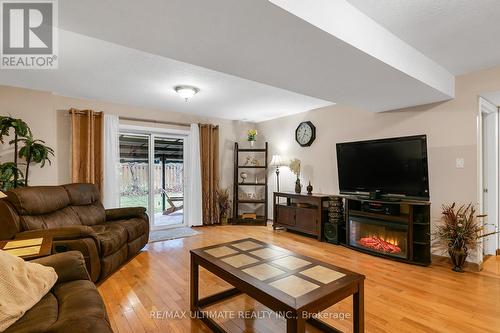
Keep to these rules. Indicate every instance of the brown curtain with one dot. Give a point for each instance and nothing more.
(86, 144)
(209, 151)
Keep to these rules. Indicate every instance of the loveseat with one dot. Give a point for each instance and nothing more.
(76, 219)
(72, 305)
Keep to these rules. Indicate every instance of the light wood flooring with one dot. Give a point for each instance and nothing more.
(398, 297)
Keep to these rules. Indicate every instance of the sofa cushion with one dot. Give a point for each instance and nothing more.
(22, 285)
(85, 201)
(57, 219)
(79, 299)
(38, 200)
(135, 227)
(39, 318)
(111, 236)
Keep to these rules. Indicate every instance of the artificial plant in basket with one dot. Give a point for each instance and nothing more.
(460, 231)
(224, 204)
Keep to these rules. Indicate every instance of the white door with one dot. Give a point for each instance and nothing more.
(490, 152)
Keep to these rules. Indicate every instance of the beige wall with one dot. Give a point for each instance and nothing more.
(450, 128)
(47, 115)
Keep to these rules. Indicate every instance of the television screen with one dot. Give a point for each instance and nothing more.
(396, 166)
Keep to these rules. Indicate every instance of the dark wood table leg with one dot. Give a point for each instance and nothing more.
(194, 297)
(296, 325)
(359, 309)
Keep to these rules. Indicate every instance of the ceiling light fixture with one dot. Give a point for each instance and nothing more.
(186, 92)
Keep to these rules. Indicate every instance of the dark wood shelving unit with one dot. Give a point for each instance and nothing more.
(261, 219)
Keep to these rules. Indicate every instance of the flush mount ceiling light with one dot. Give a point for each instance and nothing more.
(186, 92)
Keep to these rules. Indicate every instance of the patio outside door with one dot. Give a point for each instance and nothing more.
(152, 176)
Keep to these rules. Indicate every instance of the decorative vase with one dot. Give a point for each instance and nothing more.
(298, 186)
(458, 256)
(309, 188)
(243, 176)
(252, 143)
(223, 220)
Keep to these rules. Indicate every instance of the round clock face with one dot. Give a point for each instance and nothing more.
(305, 133)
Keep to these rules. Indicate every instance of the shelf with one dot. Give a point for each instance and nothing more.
(420, 223)
(252, 150)
(250, 201)
(251, 167)
(260, 220)
(421, 243)
(250, 184)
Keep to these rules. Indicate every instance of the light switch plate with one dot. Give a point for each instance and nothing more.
(460, 163)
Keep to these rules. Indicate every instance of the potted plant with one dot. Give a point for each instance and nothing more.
(252, 136)
(295, 168)
(25, 147)
(224, 205)
(460, 231)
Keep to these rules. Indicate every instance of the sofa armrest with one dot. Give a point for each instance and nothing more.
(69, 266)
(64, 233)
(125, 213)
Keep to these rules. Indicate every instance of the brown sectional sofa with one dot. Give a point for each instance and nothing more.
(76, 219)
(72, 305)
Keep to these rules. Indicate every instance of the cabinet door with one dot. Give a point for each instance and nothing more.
(306, 220)
(286, 215)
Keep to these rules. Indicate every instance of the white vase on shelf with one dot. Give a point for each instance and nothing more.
(252, 143)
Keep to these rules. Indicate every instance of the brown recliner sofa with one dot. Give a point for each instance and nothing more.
(72, 305)
(76, 219)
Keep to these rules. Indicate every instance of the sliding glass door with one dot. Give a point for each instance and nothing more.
(152, 176)
(168, 176)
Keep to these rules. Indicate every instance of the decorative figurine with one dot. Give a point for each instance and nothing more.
(309, 188)
(243, 176)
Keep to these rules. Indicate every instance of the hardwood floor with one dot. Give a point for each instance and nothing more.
(398, 297)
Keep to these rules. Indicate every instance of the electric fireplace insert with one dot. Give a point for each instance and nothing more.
(379, 236)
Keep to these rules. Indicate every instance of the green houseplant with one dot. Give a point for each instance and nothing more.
(26, 148)
(460, 231)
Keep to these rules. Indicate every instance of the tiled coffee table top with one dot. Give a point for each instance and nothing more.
(273, 268)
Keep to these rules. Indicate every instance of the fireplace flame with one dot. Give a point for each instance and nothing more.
(390, 245)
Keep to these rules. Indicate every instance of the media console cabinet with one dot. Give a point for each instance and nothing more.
(398, 230)
(304, 213)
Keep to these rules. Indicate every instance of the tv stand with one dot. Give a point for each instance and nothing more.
(399, 230)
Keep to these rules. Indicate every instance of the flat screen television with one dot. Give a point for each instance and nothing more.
(395, 167)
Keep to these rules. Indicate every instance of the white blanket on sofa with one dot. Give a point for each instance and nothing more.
(22, 285)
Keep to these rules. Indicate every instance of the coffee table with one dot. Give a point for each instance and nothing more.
(295, 286)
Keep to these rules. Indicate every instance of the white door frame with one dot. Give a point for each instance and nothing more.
(490, 244)
(152, 133)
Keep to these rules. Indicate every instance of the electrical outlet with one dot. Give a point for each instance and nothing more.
(460, 163)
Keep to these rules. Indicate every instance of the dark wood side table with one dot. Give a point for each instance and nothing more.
(21, 245)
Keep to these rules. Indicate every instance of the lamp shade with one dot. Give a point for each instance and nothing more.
(278, 161)
(2, 195)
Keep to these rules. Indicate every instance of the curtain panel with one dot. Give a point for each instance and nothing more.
(111, 173)
(192, 196)
(209, 154)
(86, 147)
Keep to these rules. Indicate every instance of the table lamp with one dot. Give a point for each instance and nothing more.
(277, 161)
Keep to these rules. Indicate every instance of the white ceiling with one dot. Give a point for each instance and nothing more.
(95, 69)
(492, 97)
(260, 59)
(461, 35)
(258, 41)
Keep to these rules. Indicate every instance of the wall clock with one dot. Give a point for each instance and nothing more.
(305, 134)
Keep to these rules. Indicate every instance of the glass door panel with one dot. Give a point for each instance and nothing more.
(168, 182)
(134, 170)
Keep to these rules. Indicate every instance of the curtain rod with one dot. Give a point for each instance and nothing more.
(156, 121)
(173, 123)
